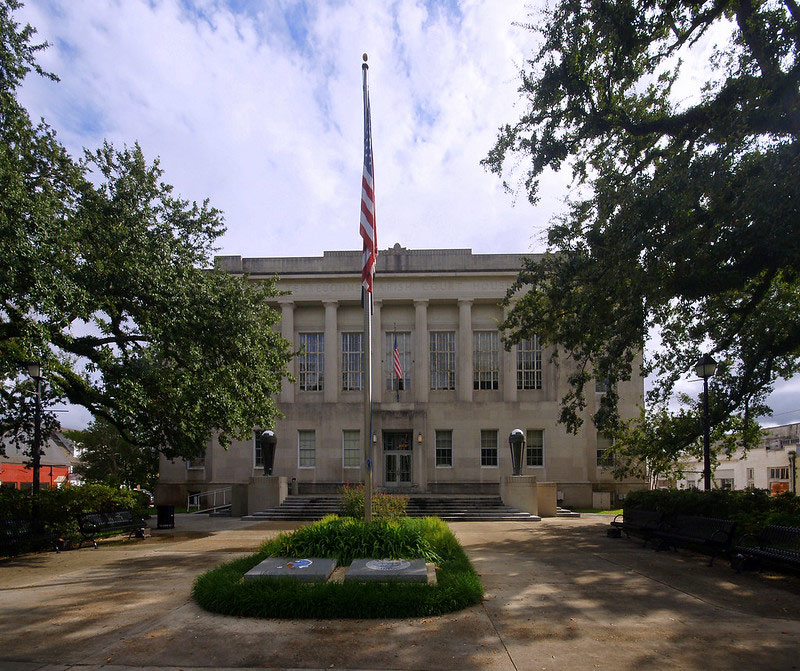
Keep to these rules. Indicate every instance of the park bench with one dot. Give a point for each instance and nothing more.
(92, 525)
(638, 522)
(704, 532)
(775, 544)
(21, 534)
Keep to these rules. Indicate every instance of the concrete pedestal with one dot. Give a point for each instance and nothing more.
(524, 493)
(266, 492)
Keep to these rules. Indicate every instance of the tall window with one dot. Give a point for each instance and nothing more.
(352, 362)
(404, 350)
(604, 443)
(312, 361)
(534, 452)
(306, 449)
(488, 447)
(444, 448)
(351, 449)
(443, 360)
(486, 359)
(529, 364)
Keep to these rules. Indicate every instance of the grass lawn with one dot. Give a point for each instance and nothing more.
(223, 589)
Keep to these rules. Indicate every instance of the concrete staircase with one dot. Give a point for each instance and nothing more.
(449, 508)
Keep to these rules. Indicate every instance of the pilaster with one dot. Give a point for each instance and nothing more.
(421, 351)
(464, 354)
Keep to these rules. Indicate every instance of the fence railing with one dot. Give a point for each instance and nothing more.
(203, 501)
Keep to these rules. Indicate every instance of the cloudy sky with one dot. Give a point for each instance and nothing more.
(257, 105)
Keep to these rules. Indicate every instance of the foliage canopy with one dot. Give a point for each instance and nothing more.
(104, 280)
(684, 218)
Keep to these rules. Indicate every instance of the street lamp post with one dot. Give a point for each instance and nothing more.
(705, 368)
(35, 371)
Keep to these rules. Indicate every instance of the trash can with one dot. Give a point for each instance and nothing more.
(166, 516)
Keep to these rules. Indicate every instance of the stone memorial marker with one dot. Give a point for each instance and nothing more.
(306, 570)
(383, 570)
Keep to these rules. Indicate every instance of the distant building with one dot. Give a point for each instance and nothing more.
(57, 462)
(442, 427)
(770, 465)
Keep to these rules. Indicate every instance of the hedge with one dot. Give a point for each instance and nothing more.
(58, 508)
(751, 509)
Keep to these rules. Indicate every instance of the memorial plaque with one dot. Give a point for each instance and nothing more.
(384, 570)
(307, 570)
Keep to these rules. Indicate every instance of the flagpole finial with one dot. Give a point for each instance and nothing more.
(365, 57)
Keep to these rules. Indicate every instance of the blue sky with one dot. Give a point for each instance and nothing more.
(257, 106)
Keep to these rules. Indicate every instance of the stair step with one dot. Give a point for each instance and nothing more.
(452, 509)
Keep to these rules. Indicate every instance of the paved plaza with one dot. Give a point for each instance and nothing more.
(560, 594)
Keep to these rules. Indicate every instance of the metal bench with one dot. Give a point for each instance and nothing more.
(22, 534)
(643, 523)
(92, 525)
(705, 532)
(775, 543)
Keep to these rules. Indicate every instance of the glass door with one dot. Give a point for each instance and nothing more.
(397, 458)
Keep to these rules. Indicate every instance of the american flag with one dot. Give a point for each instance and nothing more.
(367, 228)
(398, 368)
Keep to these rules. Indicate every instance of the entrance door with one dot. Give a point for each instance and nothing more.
(397, 458)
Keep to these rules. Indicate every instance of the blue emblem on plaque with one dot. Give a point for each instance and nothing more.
(299, 563)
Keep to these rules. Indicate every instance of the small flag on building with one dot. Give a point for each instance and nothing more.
(398, 368)
(367, 227)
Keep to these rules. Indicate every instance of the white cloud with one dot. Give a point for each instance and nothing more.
(264, 116)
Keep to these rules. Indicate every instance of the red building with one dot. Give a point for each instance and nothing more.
(56, 461)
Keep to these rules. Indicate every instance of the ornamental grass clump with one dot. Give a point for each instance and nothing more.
(223, 589)
(346, 539)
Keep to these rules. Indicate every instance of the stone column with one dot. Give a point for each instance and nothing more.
(421, 352)
(508, 366)
(464, 382)
(377, 353)
(287, 331)
(331, 393)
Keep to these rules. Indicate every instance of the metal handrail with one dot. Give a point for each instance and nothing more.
(215, 498)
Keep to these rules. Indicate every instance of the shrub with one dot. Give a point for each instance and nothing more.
(384, 506)
(751, 509)
(58, 508)
(222, 589)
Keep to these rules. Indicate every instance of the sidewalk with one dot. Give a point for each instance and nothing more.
(559, 595)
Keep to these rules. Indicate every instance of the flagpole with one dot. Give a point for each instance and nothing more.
(366, 298)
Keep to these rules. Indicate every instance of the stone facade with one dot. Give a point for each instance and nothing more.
(446, 430)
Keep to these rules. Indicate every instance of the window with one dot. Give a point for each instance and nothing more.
(781, 473)
(444, 448)
(404, 350)
(488, 447)
(604, 443)
(485, 360)
(602, 386)
(751, 475)
(197, 463)
(258, 452)
(312, 361)
(529, 364)
(443, 360)
(725, 483)
(351, 449)
(534, 452)
(352, 362)
(306, 449)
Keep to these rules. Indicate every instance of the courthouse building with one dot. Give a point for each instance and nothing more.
(443, 427)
